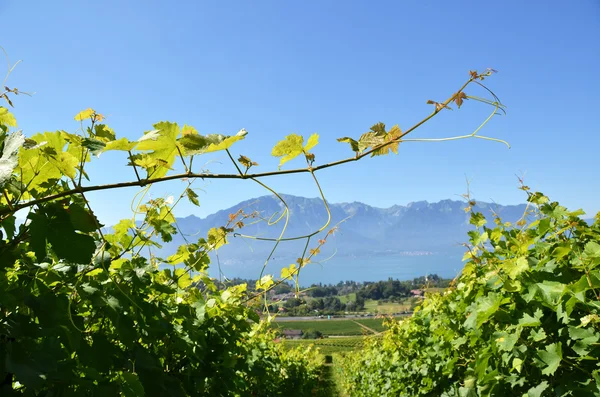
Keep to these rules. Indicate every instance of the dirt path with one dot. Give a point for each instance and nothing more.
(371, 330)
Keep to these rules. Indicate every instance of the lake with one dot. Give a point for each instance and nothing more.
(367, 268)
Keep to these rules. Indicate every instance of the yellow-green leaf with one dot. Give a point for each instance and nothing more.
(390, 136)
(120, 144)
(85, 114)
(288, 272)
(188, 130)
(288, 148)
(183, 278)
(312, 142)
(264, 283)
(163, 144)
(353, 143)
(217, 237)
(225, 142)
(7, 118)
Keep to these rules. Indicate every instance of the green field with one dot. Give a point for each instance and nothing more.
(327, 327)
(372, 306)
(330, 345)
(375, 324)
(348, 298)
(333, 327)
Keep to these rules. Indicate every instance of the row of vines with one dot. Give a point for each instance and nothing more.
(523, 318)
(84, 313)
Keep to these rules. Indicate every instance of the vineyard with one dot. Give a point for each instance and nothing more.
(87, 310)
(333, 327)
(331, 345)
(522, 319)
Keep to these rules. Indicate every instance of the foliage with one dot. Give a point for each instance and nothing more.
(376, 324)
(332, 345)
(326, 327)
(522, 318)
(83, 312)
(311, 333)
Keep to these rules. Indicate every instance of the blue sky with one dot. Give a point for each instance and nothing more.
(330, 67)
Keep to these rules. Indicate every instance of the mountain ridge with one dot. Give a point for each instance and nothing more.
(372, 243)
(364, 229)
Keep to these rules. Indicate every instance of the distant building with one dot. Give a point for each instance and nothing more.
(292, 333)
(417, 292)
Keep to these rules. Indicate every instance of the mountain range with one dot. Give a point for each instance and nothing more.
(365, 236)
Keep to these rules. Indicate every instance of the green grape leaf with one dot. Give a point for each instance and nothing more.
(217, 237)
(264, 283)
(514, 267)
(313, 140)
(288, 272)
(369, 139)
(192, 196)
(38, 229)
(393, 134)
(164, 228)
(131, 385)
(7, 118)
(551, 356)
(550, 291)
(194, 144)
(221, 142)
(182, 255)
(8, 224)
(353, 143)
(95, 146)
(531, 321)
(52, 224)
(561, 251)
(66, 164)
(477, 219)
(506, 341)
(585, 339)
(52, 152)
(246, 162)
(537, 390)
(183, 278)
(85, 114)
(82, 219)
(288, 148)
(104, 133)
(163, 143)
(188, 130)
(120, 144)
(592, 250)
(485, 308)
(538, 335)
(379, 128)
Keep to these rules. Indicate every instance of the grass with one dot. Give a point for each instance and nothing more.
(375, 324)
(348, 298)
(386, 308)
(330, 381)
(327, 327)
(330, 345)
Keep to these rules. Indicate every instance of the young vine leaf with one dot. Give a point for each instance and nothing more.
(292, 146)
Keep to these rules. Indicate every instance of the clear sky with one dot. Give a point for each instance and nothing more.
(332, 67)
